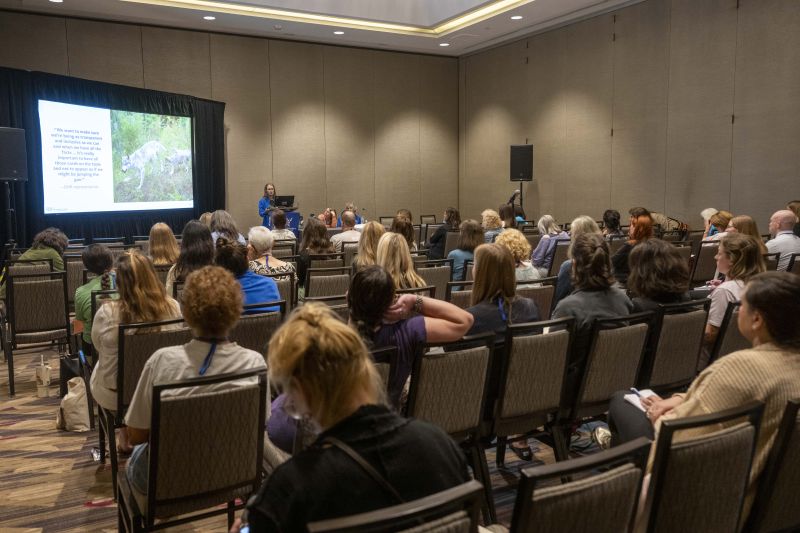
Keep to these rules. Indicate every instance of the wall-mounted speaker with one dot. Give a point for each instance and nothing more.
(521, 162)
(13, 156)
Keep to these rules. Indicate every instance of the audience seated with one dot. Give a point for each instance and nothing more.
(794, 207)
(98, 260)
(163, 246)
(350, 206)
(348, 233)
(404, 227)
(142, 298)
(368, 245)
(784, 241)
(436, 242)
(507, 218)
(659, 275)
(640, 229)
(745, 225)
(212, 304)
(492, 225)
(407, 322)
(611, 224)
(49, 243)
(769, 318)
(393, 255)
(327, 375)
(205, 219)
(279, 231)
(259, 247)
(315, 241)
(223, 225)
(706, 214)
(406, 214)
(470, 237)
(717, 223)
(328, 217)
(580, 226)
(197, 251)
(256, 289)
(738, 259)
(520, 249)
(542, 256)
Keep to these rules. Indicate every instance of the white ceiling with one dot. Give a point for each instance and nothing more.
(405, 25)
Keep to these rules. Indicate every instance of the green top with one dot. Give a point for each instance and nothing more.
(32, 254)
(83, 305)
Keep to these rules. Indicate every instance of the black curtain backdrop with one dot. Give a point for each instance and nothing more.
(20, 92)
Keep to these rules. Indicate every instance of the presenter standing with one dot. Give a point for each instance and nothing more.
(267, 203)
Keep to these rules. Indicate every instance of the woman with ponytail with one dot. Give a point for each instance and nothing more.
(98, 260)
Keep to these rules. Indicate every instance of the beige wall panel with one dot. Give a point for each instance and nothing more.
(701, 73)
(240, 78)
(546, 119)
(298, 123)
(349, 134)
(495, 86)
(121, 60)
(438, 134)
(32, 42)
(397, 134)
(176, 61)
(638, 146)
(588, 87)
(766, 135)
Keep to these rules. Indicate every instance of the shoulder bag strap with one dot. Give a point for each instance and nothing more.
(354, 455)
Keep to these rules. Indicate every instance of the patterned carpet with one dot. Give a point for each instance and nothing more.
(50, 482)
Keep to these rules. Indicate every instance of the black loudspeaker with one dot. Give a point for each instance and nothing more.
(13, 157)
(521, 162)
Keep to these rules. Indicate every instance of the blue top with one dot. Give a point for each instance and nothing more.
(263, 211)
(564, 282)
(542, 256)
(257, 289)
(359, 220)
(459, 258)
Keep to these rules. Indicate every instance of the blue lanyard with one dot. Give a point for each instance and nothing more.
(210, 355)
(502, 311)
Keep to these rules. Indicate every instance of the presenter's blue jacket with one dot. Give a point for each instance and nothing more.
(263, 205)
(258, 289)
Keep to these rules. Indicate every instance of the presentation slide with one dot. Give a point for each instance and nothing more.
(99, 160)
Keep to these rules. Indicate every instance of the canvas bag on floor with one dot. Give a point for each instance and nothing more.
(73, 415)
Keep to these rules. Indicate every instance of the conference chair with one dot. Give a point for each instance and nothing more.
(73, 265)
(386, 221)
(77, 242)
(162, 271)
(418, 237)
(284, 247)
(326, 260)
(427, 219)
(327, 281)
(28, 266)
(699, 483)
(695, 237)
(469, 270)
(385, 360)
(254, 330)
(559, 255)
(705, 265)
(349, 249)
(337, 304)
(177, 290)
(37, 312)
(533, 238)
(143, 241)
(541, 292)
(616, 242)
(448, 389)
(436, 272)
(794, 264)
(459, 293)
(287, 288)
(452, 510)
(427, 232)
(451, 241)
(775, 506)
(428, 290)
(771, 261)
(223, 464)
(597, 493)
(109, 240)
(675, 345)
(333, 231)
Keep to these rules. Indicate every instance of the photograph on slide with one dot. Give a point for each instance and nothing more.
(152, 157)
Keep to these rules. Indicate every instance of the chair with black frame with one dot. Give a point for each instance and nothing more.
(253, 331)
(559, 254)
(232, 422)
(427, 219)
(459, 293)
(775, 506)
(15, 253)
(427, 232)
(37, 314)
(469, 270)
(119, 249)
(673, 351)
(530, 381)
(541, 291)
(385, 360)
(454, 509)
(418, 236)
(108, 240)
(337, 303)
(349, 249)
(137, 342)
(673, 235)
(533, 237)
(428, 290)
(331, 260)
(436, 272)
(705, 265)
(699, 484)
(602, 496)
(771, 261)
(177, 289)
(449, 390)
(794, 264)
(284, 247)
(327, 281)
(162, 271)
(615, 357)
(386, 221)
(143, 241)
(73, 264)
(451, 241)
(87, 356)
(287, 288)
(685, 250)
(28, 266)
(616, 242)
(729, 338)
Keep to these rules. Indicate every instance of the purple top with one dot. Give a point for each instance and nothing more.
(542, 256)
(409, 336)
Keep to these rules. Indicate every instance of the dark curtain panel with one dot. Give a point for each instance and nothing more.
(20, 92)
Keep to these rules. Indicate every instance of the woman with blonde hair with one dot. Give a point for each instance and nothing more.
(579, 226)
(259, 248)
(368, 245)
(327, 376)
(163, 245)
(394, 256)
(492, 225)
(520, 250)
(142, 298)
(745, 225)
(716, 225)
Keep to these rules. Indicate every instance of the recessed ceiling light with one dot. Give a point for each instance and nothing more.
(338, 33)
(516, 17)
(56, 1)
(444, 44)
(209, 17)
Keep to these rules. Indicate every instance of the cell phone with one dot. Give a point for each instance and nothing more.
(245, 528)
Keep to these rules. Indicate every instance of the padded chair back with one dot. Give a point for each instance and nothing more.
(775, 507)
(231, 410)
(349, 249)
(253, 331)
(417, 230)
(144, 244)
(469, 270)
(428, 290)
(109, 241)
(459, 293)
(337, 304)
(385, 360)
(331, 262)
(177, 290)
(453, 510)
(287, 288)
(794, 264)
(386, 221)
(601, 499)
(450, 241)
(24, 267)
(437, 274)
(137, 342)
(542, 296)
(699, 484)
(533, 239)
(73, 264)
(447, 389)
(427, 219)
(559, 256)
(284, 247)
(771, 261)
(704, 264)
(675, 347)
(162, 271)
(37, 308)
(616, 243)
(327, 281)
(428, 231)
(729, 339)
(685, 253)
(333, 231)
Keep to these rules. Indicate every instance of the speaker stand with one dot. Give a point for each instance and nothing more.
(10, 221)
